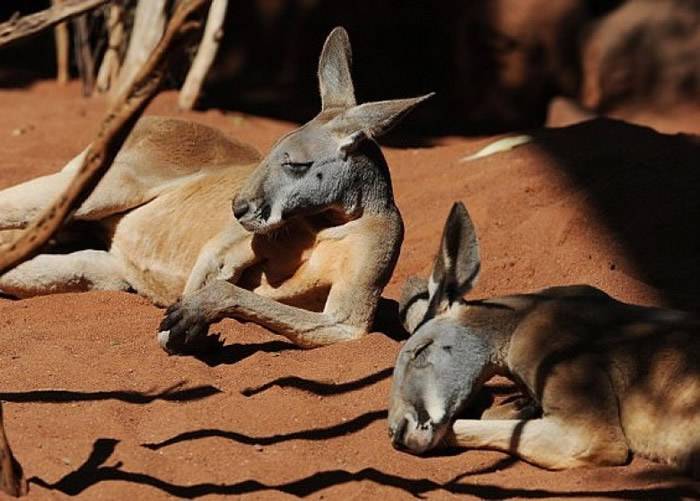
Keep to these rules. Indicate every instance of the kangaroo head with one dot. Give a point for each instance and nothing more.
(331, 162)
(443, 363)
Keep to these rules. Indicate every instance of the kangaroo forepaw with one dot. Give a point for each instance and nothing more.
(183, 329)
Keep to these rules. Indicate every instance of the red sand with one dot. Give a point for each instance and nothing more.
(86, 388)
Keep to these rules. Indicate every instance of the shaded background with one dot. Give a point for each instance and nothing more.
(495, 64)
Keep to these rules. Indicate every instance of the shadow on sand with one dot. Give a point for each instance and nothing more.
(93, 472)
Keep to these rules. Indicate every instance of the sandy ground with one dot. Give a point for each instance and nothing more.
(94, 407)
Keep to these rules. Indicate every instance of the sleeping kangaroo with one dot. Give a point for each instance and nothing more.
(314, 241)
(606, 377)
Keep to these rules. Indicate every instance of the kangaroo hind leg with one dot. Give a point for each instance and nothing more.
(20, 204)
(54, 273)
(546, 442)
(580, 424)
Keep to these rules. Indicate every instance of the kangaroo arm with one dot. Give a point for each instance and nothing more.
(223, 258)
(307, 329)
(190, 317)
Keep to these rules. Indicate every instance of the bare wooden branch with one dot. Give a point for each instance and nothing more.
(12, 479)
(83, 54)
(208, 47)
(16, 29)
(62, 48)
(109, 69)
(149, 21)
(115, 128)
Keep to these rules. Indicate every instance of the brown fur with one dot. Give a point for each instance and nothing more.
(610, 378)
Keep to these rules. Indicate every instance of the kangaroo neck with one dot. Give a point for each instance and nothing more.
(371, 184)
(495, 322)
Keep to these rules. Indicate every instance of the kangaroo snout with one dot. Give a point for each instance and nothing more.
(240, 207)
(255, 214)
(397, 432)
(408, 435)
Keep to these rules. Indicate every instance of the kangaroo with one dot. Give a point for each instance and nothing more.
(312, 241)
(606, 378)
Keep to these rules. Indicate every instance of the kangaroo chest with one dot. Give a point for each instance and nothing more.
(297, 266)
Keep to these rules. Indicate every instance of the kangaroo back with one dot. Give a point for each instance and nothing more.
(657, 377)
(115, 128)
(161, 153)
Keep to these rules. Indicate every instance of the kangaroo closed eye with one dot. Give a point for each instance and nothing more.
(298, 165)
(420, 349)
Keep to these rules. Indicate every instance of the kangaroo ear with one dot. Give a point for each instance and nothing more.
(334, 77)
(457, 264)
(376, 118)
(371, 120)
(413, 303)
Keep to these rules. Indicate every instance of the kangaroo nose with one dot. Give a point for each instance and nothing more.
(240, 208)
(397, 433)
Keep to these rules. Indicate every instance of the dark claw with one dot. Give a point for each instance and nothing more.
(175, 317)
(178, 331)
(172, 316)
(186, 328)
(163, 326)
(173, 307)
(196, 332)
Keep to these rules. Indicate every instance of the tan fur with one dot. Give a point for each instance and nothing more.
(610, 378)
(314, 255)
(140, 206)
(180, 234)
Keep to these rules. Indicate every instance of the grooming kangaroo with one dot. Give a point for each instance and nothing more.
(314, 241)
(606, 377)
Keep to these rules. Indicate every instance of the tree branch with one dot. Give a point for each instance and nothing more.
(109, 69)
(213, 33)
(116, 126)
(16, 29)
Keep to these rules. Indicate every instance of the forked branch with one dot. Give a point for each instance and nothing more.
(213, 33)
(16, 29)
(116, 126)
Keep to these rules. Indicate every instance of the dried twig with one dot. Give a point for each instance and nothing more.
(16, 29)
(62, 47)
(12, 479)
(83, 54)
(149, 22)
(213, 32)
(109, 69)
(116, 127)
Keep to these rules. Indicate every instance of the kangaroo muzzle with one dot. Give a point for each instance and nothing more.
(240, 207)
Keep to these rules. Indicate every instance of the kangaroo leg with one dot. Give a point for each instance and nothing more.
(580, 426)
(546, 442)
(22, 203)
(55, 273)
(12, 480)
(190, 317)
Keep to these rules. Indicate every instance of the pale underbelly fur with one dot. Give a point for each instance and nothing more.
(158, 243)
